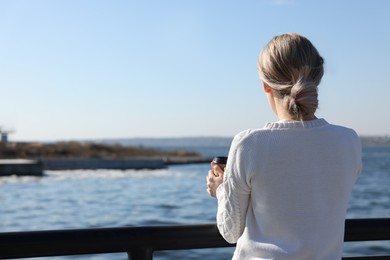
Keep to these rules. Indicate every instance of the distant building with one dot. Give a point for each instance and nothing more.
(4, 138)
(4, 135)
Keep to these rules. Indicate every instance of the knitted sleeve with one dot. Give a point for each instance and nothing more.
(233, 194)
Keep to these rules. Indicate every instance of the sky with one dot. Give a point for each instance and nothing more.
(92, 69)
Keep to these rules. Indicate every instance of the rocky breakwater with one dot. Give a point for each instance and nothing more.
(78, 155)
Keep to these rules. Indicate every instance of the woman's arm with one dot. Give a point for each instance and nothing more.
(232, 209)
(232, 190)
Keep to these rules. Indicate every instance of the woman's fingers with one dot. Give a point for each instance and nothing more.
(213, 182)
(217, 169)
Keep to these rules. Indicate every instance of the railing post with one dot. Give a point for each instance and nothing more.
(140, 254)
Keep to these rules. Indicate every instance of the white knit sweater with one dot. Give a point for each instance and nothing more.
(286, 190)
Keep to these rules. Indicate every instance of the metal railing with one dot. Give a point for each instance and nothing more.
(141, 242)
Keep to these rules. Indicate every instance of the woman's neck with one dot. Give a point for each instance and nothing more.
(284, 115)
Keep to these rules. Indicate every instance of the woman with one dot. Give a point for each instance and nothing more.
(285, 189)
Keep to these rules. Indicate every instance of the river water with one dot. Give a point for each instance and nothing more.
(176, 195)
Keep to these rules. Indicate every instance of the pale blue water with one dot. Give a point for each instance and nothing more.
(176, 195)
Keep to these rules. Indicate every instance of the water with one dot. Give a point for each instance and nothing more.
(176, 195)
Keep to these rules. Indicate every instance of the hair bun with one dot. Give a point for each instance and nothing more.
(303, 99)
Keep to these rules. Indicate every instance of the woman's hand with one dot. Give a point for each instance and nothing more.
(214, 179)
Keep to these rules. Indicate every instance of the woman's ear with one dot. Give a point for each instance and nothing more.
(267, 88)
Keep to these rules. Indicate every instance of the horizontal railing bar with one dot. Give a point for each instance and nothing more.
(153, 238)
(367, 229)
(374, 257)
(108, 240)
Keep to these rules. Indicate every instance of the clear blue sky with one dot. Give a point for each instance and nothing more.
(77, 69)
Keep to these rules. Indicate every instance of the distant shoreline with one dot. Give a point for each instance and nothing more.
(72, 150)
(375, 140)
(178, 148)
(158, 142)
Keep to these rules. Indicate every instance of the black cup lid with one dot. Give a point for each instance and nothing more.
(220, 159)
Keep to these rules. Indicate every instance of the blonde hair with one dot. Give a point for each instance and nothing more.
(293, 68)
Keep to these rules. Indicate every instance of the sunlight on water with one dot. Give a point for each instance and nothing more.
(114, 174)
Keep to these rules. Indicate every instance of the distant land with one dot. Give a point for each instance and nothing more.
(375, 140)
(211, 141)
(85, 150)
(185, 147)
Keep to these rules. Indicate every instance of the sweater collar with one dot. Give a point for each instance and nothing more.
(296, 124)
